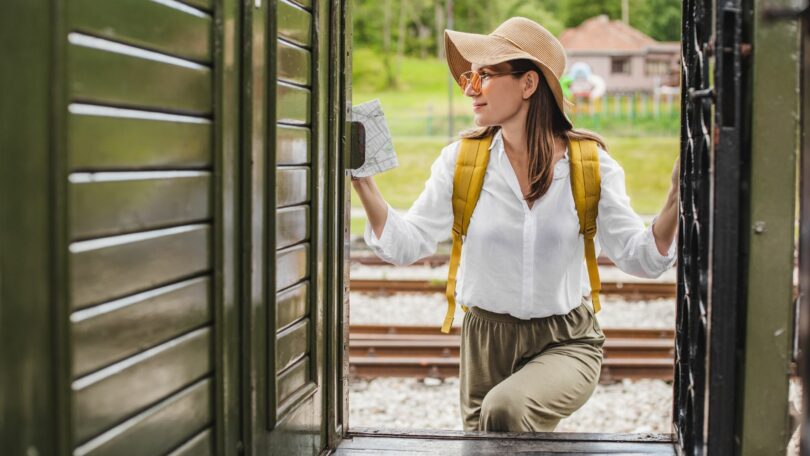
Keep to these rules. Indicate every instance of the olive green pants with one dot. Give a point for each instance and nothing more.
(526, 375)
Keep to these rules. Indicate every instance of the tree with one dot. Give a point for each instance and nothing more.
(661, 19)
(535, 11)
(396, 28)
(575, 12)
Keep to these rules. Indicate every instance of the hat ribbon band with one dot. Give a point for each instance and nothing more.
(509, 41)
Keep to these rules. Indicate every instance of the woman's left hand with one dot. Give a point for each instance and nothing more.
(676, 174)
(666, 224)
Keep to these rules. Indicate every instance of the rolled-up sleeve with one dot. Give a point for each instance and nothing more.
(621, 232)
(415, 235)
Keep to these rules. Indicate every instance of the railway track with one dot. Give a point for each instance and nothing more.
(418, 351)
(631, 290)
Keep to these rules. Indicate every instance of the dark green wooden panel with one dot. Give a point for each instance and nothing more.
(176, 29)
(207, 5)
(231, 406)
(293, 63)
(294, 23)
(292, 104)
(106, 397)
(111, 138)
(109, 268)
(101, 71)
(292, 145)
(30, 311)
(292, 186)
(292, 305)
(201, 444)
(160, 428)
(292, 225)
(292, 265)
(292, 380)
(292, 344)
(112, 203)
(113, 331)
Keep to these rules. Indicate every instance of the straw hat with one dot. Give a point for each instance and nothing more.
(516, 38)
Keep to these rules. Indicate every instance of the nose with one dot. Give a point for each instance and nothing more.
(468, 91)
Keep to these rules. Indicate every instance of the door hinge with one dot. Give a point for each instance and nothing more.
(695, 95)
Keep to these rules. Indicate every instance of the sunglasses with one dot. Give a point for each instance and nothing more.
(476, 80)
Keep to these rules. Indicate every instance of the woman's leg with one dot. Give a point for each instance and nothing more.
(548, 388)
(488, 356)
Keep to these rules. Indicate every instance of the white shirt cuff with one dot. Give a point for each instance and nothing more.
(659, 262)
(382, 246)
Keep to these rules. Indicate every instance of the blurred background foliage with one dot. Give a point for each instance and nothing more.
(386, 31)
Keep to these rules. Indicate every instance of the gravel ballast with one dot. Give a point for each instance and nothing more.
(429, 309)
(406, 403)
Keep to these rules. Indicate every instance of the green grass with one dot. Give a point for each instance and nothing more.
(647, 164)
(416, 75)
(400, 186)
(668, 124)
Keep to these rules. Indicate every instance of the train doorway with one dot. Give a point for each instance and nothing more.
(721, 334)
(174, 218)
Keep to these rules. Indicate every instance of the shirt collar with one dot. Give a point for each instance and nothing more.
(497, 143)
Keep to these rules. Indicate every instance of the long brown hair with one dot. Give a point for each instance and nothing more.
(544, 123)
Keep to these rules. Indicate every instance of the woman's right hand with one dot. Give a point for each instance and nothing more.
(373, 202)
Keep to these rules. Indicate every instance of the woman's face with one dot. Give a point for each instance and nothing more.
(501, 98)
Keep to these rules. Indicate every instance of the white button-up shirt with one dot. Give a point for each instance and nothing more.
(526, 262)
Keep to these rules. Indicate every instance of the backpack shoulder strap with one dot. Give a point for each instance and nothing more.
(471, 166)
(586, 187)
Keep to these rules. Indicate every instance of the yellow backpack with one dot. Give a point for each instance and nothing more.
(471, 166)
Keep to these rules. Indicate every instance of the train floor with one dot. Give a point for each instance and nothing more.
(414, 443)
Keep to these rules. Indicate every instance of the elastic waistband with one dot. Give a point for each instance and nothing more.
(494, 316)
(506, 318)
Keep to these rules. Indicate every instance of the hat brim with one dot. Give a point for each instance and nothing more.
(462, 49)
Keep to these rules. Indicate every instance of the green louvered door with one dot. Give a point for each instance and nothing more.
(286, 123)
(143, 210)
(171, 227)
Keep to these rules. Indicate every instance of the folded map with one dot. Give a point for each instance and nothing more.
(380, 155)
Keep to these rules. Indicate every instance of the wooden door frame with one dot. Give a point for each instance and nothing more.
(337, 282)
(759, 326)
(30, 419)
(229, 391)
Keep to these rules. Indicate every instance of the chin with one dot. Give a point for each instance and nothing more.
(482, 122)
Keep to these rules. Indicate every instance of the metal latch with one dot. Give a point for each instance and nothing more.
(357, 145)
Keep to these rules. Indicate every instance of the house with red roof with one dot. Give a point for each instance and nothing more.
(627, 59)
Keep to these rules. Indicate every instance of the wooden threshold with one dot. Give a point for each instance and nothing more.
(366, 442)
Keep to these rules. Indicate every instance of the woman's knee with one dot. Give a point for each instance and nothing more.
(501, 406)
(509, 411)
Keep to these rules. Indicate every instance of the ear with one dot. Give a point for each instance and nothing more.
(531, 80)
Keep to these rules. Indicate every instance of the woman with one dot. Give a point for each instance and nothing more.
(531, 348)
